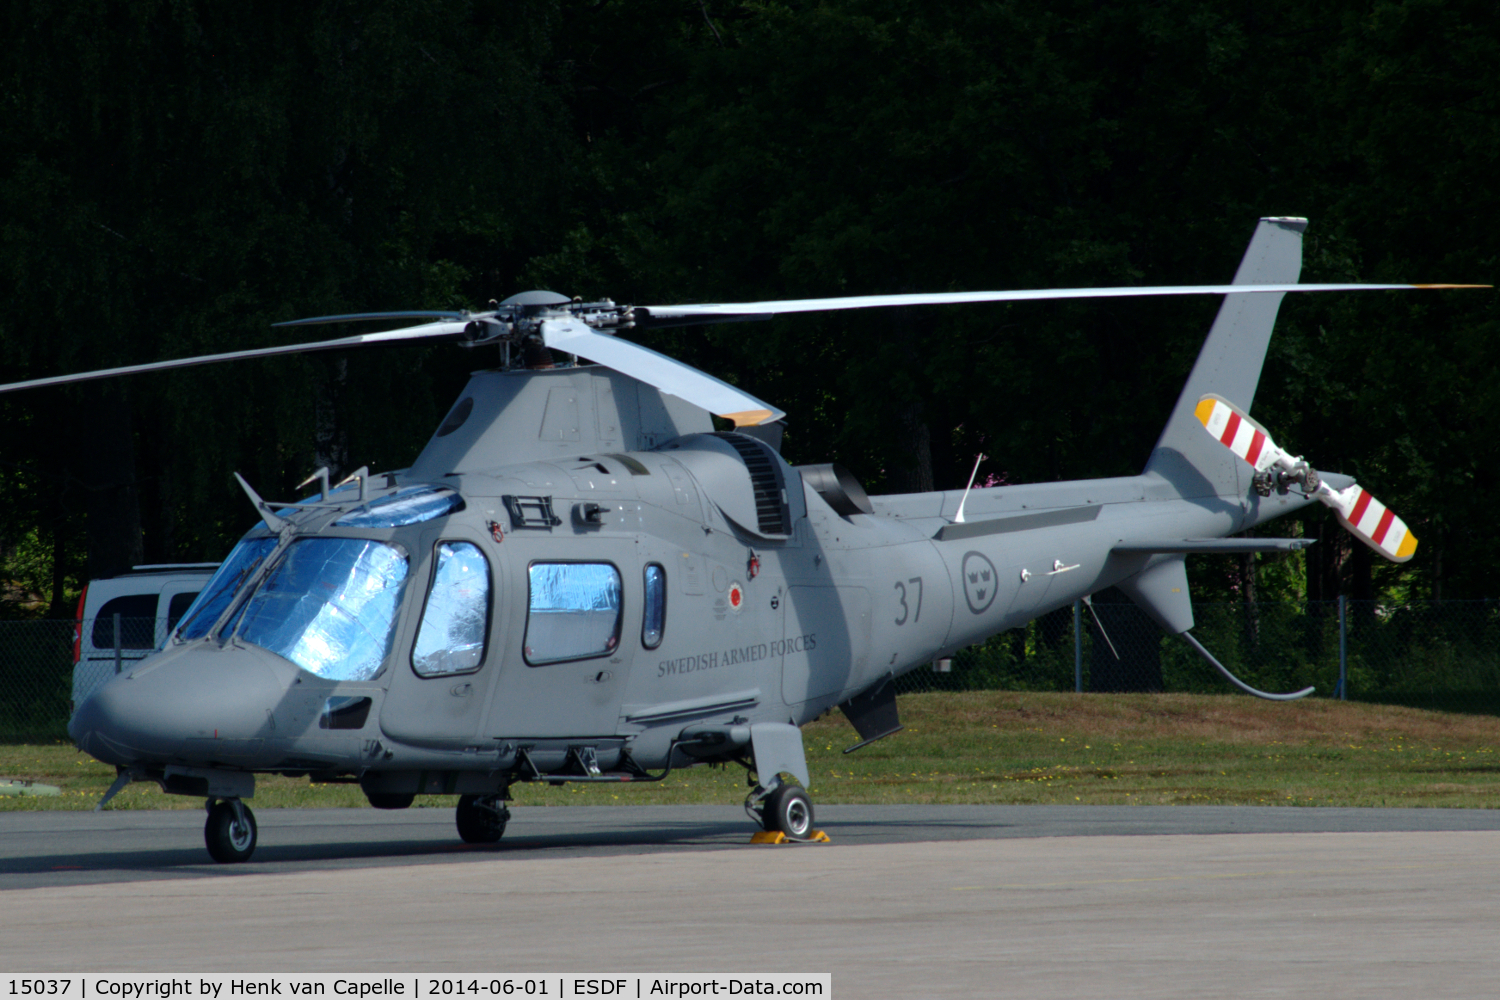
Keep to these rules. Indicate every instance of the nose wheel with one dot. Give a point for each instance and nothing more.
(230, 831)
(481, 818)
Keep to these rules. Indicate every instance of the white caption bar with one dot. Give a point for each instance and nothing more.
(411, 986)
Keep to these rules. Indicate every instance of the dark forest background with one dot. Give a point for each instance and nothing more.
(176, 176)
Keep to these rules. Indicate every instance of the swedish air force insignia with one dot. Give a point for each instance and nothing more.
(980, 581)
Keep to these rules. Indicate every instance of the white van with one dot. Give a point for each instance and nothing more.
(125, 618)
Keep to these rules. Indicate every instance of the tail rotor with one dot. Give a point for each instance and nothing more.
(1369, 520)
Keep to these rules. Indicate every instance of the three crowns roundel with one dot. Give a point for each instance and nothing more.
(980, 581)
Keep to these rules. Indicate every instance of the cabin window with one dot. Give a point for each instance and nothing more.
(654, 617)
(574, 612)
(236, 568)
(329, 606)
(451, 638)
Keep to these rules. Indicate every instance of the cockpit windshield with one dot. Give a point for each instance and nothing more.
(329, 606)
(215, 597)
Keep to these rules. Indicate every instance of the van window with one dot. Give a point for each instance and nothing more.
(137, 622)
(574, 612)
(178, 604)
(450, 639)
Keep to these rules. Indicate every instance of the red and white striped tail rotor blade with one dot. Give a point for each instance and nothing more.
(1235, 430)
(1371, 521)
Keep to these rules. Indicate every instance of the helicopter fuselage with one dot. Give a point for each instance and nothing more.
(579, 579)
(623, 600)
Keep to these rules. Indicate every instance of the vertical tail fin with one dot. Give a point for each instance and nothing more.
(1229, 364)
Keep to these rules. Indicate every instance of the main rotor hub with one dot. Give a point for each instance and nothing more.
(520, 317)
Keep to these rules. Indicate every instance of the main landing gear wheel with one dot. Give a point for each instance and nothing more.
(788, 810)
(481, 818)
(230, 831)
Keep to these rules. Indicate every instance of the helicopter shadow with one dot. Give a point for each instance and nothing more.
(128, 855)
(189, 861)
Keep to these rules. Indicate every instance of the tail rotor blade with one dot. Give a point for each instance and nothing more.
(1237, 431)
(1366, 518)
(1371, 521)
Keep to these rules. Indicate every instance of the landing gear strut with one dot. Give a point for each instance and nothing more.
(230, 831)
(481, 818)
(783, 809)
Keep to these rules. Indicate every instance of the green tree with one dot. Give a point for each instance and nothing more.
(762, 150)
(175, 177)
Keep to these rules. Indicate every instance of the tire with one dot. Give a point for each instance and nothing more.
(481, 819)
(229, 841)
(391, 800)
(788, 810)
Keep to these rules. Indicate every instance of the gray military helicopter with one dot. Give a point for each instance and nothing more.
(580, 580)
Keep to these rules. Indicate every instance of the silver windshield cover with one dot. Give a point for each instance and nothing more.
(329, 606)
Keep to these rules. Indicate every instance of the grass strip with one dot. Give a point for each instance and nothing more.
(998, 747)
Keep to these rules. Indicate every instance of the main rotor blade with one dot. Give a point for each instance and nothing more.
(667, 374)
(423, 332)
(362, 317)
(737, 311)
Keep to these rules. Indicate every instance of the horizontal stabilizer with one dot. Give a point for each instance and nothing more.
(1213, 546)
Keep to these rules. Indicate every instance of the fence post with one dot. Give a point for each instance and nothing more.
(1078, 647)
(1343, 648)
(117, 642)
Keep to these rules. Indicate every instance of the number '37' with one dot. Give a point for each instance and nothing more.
(915, 614)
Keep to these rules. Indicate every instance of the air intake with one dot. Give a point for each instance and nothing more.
(766, 478)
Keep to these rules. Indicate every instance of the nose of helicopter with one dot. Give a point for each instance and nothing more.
(152, 713)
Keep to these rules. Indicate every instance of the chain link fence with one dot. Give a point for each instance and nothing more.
(1440, 655)
(36, 679)
(37, 668)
